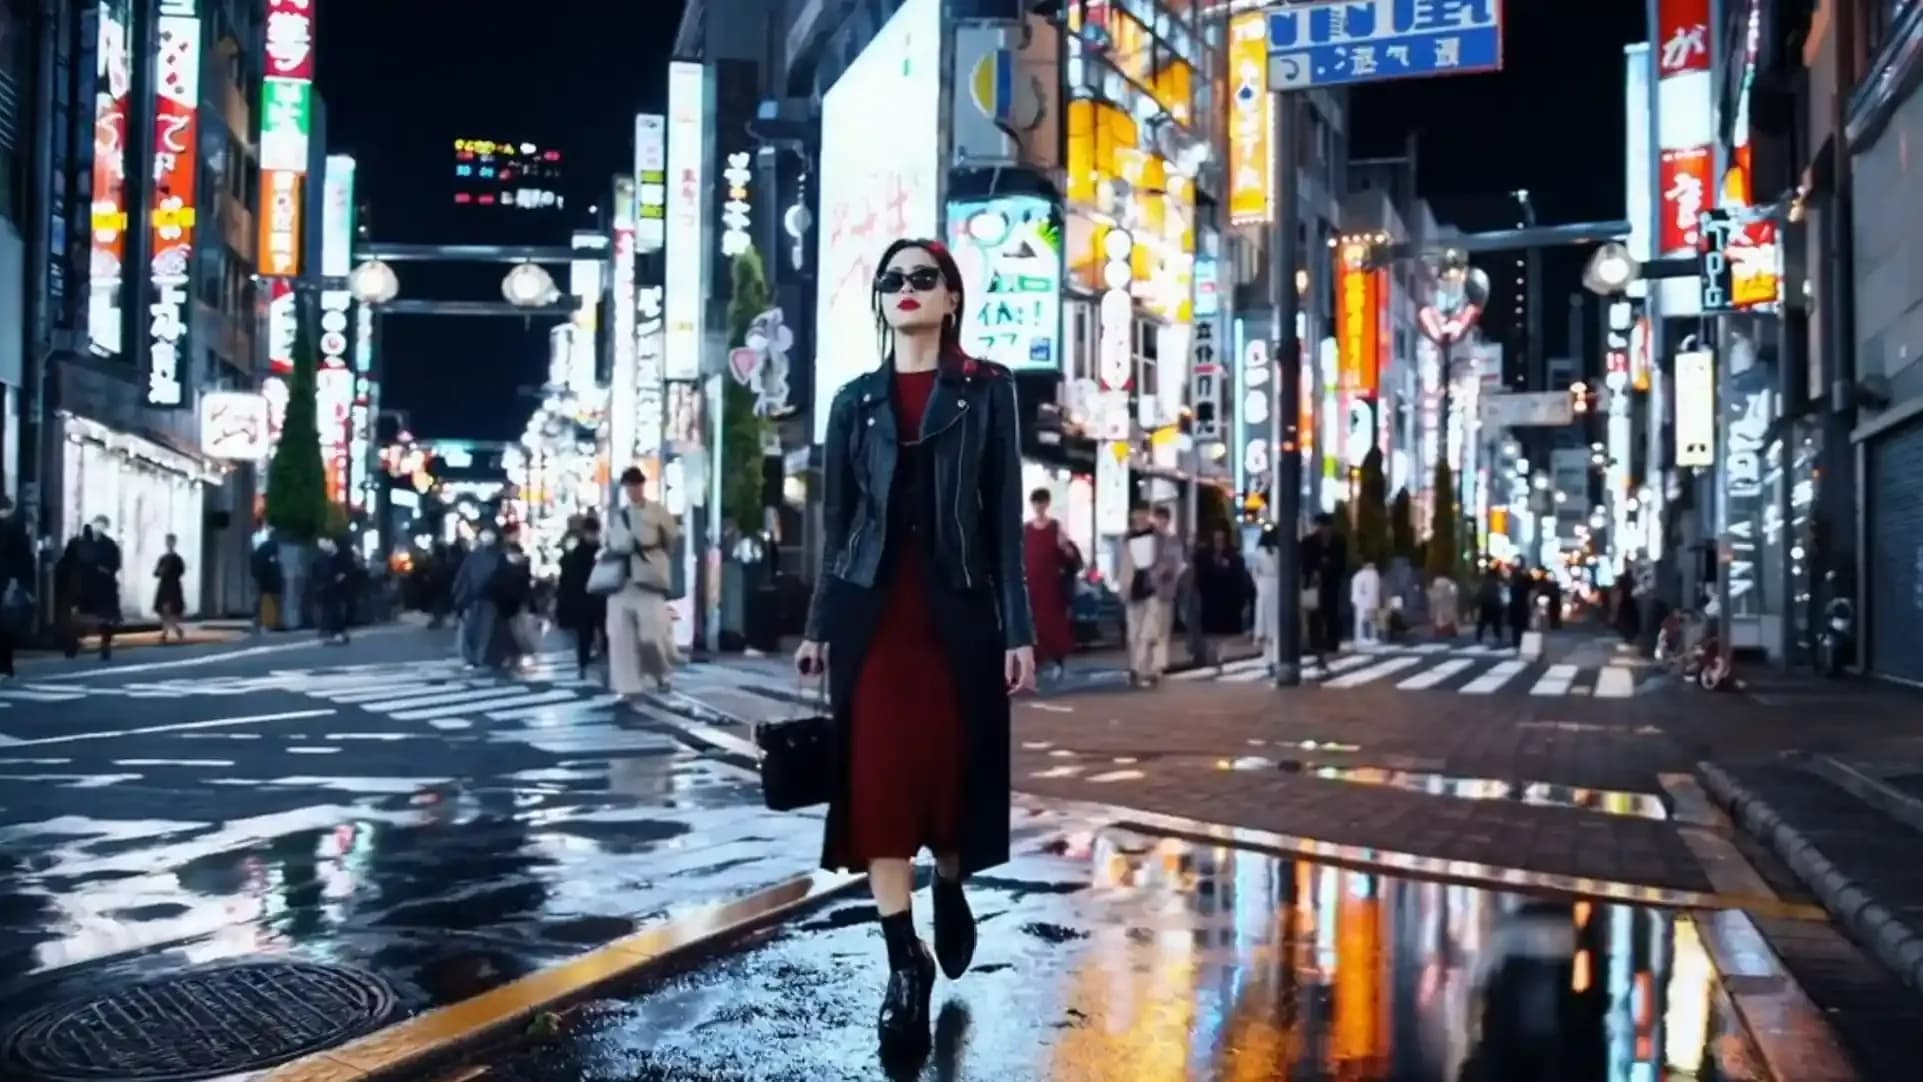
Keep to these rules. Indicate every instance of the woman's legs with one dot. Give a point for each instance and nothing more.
(903, 1024)
(892, 881)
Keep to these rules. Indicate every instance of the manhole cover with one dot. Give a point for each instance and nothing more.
(198, 1023)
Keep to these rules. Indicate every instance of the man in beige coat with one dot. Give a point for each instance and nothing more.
(640, 624)
(1151, 568)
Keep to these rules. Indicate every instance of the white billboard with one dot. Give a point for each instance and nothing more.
(337, 217)
(687, 199)
(1695, 409)
(873, 190)
(235, 426)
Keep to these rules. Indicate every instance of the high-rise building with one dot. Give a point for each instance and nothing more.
(136, 286)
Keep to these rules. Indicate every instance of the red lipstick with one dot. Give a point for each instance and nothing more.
(908, 304)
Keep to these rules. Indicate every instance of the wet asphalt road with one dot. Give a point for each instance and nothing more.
(1116, 957)
(372, 805)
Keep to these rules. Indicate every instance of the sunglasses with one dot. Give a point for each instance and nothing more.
(922, 278)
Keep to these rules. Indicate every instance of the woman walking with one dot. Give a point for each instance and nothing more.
(921, 622)
(577, 611)
(1053, 562)
(170, 601)
(1268, 580)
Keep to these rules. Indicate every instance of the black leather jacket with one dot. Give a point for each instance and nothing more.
(971, 427)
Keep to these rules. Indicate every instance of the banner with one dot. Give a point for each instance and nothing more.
(172, 214)
(1251, 122)
(1358, 322)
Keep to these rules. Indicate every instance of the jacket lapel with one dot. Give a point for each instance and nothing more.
(948, 404)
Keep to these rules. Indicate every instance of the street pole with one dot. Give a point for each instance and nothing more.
(1288, 359)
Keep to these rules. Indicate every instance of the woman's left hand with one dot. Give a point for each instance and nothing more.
(1018, 666)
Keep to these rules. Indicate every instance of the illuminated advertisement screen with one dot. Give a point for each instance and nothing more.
(109, 211)
(176, 154)
(873, 190)
(523, 176)
(1010, 252)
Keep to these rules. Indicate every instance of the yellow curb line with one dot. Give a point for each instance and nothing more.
(447, 1031)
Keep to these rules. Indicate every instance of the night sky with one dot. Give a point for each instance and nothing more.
(403, 80)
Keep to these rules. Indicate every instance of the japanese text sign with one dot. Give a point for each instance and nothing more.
(290, 39)
(1685, 180)
(1251, 122)
(1682, 32)
(1337, 42)
(172, 214)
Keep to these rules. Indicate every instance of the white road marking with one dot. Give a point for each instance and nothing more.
(177, 727)
(1492, 680)
(1374, 672)
(1615, 682)
(1431, 677)
(1556, 681)
(526, 698)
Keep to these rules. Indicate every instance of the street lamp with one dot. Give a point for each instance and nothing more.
(373, 282)
(528, 286)
(1610, 270)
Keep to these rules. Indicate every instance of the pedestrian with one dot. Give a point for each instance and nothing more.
(1489, 606)
(170, 600)
(512, 590)
(16, 584)
(1053, 561)
(576, 610)
(1365, 600)
(1552, 590)
(640, 626)
(921, 621)
(1268, 583)
(1150, 572)
(1325, 567)
(93, 565)
(1222, 585)
(1522, 603)
(481, 635)
(269, 584)
(329, 580)
(1445, 607)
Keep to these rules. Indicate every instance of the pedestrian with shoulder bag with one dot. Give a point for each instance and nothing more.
(641, 536)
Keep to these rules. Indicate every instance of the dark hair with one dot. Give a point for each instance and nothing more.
(1041, 495)
(952, 354)
(590, 523)
(1271, 538)
(633, 476)
(1161, 511)
(1323, 518)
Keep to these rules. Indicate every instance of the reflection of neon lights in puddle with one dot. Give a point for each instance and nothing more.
(1611, 802)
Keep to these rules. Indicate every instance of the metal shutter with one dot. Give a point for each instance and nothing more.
(1895, 558)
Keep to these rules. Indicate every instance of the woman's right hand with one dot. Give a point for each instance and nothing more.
(811, 659)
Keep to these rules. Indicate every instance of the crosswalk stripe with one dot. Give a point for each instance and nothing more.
(1498, 675)
(532, 712)
(1246, 676)
(25, 695)
(375, 693)
(514, 697)
(1374, 672)
(1615, 682)
(1555, 681)
(1431, 677)
(441, 697)
(1340, 664)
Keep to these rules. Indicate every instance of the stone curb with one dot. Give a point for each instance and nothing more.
(1887, 937)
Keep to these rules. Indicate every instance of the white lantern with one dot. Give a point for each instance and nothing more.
(528, 286)
(373, 282)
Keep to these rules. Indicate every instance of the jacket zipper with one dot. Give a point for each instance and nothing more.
(848, 555)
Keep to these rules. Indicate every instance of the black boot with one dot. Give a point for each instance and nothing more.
(954, 927)
(903, 1023)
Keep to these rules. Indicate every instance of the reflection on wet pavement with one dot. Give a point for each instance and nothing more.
(1109, 955)
(446, 888)
(1639, 805)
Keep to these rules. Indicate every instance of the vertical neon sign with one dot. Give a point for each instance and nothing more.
(109, 212)
(176, 146)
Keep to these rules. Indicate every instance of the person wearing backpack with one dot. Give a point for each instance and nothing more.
(640, 624)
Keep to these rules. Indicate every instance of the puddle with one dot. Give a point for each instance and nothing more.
(1115, 955)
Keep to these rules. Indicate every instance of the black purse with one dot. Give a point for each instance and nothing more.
(797, 758)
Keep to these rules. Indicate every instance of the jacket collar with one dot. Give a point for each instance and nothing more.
(951, 400)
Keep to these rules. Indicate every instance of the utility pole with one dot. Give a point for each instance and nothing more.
(1287, 356)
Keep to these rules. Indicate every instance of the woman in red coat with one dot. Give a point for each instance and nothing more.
(1053, 562)
(921, 621)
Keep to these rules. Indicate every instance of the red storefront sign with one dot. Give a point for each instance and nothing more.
(1682, 35)
(1686, 179)
(290, 39)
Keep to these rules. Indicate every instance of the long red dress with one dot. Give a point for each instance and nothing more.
(907, 742)
(1047, 590)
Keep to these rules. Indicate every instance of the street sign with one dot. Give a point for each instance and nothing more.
(1324, 43)
(1542, 409)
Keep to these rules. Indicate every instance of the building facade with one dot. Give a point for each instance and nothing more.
(141, 121)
